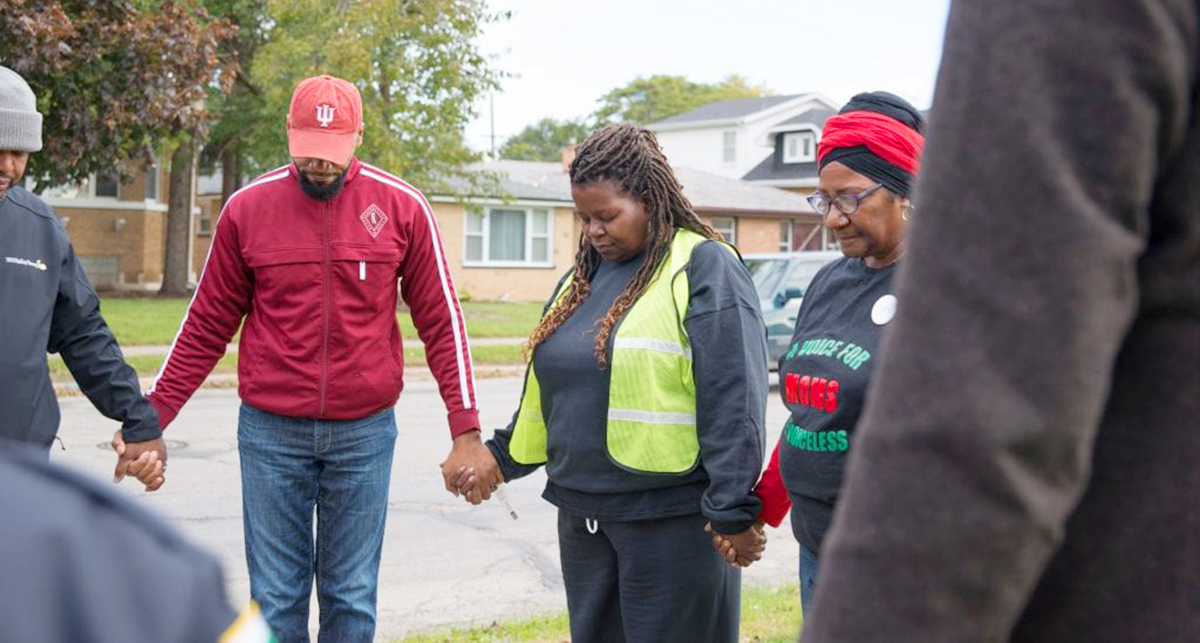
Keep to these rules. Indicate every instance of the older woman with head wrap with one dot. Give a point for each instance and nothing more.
(867, 162)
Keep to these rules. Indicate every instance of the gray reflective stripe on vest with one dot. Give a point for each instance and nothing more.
(651, 417)
(651, 344)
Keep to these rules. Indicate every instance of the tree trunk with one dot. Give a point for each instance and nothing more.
(231, 172)
(179, 221)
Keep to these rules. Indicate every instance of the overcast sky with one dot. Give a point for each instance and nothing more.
(565, 54)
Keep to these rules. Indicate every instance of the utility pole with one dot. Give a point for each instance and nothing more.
(492, 118)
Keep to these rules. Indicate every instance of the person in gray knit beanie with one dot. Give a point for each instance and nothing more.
(39, 269)
(20, 122)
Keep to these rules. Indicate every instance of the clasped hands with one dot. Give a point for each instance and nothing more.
(742, 549)
(471, 471)
(146, 461)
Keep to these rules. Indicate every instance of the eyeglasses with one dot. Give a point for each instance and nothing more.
(845, 203)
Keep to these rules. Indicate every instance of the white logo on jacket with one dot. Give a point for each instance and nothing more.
(324, 115)
(373, 219)
(39, 264)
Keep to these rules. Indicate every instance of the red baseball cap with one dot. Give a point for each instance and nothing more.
(323, 119)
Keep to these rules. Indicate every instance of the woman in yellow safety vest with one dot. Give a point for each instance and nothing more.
(644, 398)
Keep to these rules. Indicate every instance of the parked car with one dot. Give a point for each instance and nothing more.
(781, 279)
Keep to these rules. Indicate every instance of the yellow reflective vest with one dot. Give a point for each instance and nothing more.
(651, 423)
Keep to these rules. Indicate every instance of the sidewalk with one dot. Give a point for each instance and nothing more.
(67, 387)
(414, 342)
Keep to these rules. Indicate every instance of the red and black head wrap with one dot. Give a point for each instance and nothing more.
(878, 135)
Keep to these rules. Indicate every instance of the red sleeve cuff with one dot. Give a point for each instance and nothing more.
(165, 414)
(775, 504)
(462, 421)
(770, 489)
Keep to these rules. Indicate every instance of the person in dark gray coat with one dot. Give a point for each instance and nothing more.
(80, 563)
(48, 305)
(1029, 465)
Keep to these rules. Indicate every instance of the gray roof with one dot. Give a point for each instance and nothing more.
(772, 169)
(536, 181)
(709, 192)
(531, 180)
(815, 116)
(727, 109)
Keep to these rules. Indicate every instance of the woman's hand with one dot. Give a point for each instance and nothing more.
(475, 483)
(740, 550)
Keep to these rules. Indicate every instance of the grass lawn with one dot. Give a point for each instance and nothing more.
(145, 365)
(148, 365)
(151, 320)
(499, 355)
(489, 319)
(769, 615)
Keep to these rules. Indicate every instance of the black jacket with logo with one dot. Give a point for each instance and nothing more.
(48, 305)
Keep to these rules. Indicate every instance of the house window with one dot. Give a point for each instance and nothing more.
(507, 236)
(727, 227)
(152, 182)
(730, 147)
(106, 185)
(799, 147)
(810, 236)
(204, 224)
(785, 236)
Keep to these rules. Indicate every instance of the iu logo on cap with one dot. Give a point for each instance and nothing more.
(373, 219)
(324, 115)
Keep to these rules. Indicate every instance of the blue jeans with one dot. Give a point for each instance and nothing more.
(341, 468)
(808, 579)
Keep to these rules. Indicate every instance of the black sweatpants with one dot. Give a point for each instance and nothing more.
(647, 580)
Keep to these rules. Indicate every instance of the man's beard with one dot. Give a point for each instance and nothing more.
(11, 182)
(322, 192)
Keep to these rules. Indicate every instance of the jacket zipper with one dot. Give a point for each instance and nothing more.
(325, 315)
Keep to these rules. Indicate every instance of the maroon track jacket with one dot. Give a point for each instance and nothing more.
(316, 284)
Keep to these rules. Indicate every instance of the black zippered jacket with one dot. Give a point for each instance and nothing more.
(47, 304)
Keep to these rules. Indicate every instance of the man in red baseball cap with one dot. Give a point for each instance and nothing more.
(324, 128)
(309, 256)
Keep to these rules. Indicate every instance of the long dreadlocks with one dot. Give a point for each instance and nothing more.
(629, 157)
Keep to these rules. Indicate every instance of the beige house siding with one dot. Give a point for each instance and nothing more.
(533, 283)
(755, 234)
(137, 246)
(128, 231)
(210, 211)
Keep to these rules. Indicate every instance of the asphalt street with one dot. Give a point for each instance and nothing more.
(444, 562)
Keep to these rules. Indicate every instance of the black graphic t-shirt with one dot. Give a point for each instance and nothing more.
(823, 380)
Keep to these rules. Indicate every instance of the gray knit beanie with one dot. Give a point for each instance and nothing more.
(20, 122)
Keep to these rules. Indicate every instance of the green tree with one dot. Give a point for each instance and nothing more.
(647, 100)
(113, 80)
(544, 140)
(237, 112)
(415, 63)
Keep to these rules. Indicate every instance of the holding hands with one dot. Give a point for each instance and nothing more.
(742, 549)
(147, 461)
(471, 470)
